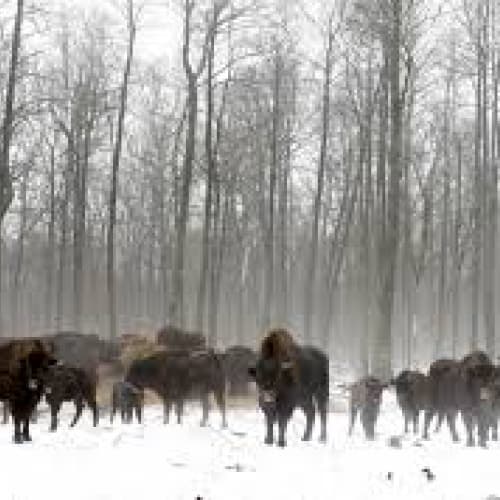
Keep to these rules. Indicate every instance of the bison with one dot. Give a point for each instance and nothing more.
(413, 396)
(290, 376)
(237, 360)
(178, 375)
(23, 366)
(127, 398)
(365, 397)
(462, 386)
(69, 383)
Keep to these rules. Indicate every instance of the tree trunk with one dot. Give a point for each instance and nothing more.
(49, 289)
(389, 245)
(6, 190)
(310, 288)
(110, 274)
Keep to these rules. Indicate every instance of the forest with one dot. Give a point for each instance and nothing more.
(330, 166)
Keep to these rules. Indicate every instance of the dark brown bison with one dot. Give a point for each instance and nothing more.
(462, 386)
(172, 337)
(178, 375)
(290, 376)
(127, 398)
(65, 383)
(413, 396)
(365, 397)
(237, 360)
(23, 366)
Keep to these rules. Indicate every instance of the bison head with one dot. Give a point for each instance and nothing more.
(272, 377)
(36, 365)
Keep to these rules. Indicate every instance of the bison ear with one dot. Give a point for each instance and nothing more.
(252, 371)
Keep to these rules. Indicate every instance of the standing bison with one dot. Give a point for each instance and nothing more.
(68, 383)
(290, 376)
(178, 375)
(23, 367)
(413, 396)
(365, 398)
(127, 398)
(463, 386)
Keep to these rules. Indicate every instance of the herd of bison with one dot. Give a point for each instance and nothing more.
(177, 365)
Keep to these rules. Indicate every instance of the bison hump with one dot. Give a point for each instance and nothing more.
(279, 344)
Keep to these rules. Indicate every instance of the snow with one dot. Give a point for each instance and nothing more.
(156, 461)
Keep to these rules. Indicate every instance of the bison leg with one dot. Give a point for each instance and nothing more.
(54, 410)
(309, 412)
(113, 411)
(18, 438)
(483, 427)
(439, 422)
(354, 414)
(494, 427)
(282, 424)
(269, 429)
(179, 410)
(428, 416)
(469, 426)
(78, 414)
(415, 418)
(451, 420)
(6, 412)
(368, 422)
(26, 429)
(322, 410)
(166, 410)
(220, 400)
(205, 408)
(138, 412)
(95, 412)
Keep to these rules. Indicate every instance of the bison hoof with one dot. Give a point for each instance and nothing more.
(18, 439)
(322, 439)
(268, 440)
(27, 438)
(306, 437)
(281, 443)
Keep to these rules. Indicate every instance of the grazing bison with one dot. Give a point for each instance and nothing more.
(365, 397)
(23, 366)
(237, 360)
(175, 338)
(69, 383)
(290, 376)
(127, 398)
(462, 386)
(178, 375)
(413, 396)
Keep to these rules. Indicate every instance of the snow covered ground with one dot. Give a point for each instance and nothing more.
(153, 461)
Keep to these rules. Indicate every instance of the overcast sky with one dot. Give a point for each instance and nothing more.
(160, 28)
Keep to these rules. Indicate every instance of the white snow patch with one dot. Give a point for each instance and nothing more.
(174, 461)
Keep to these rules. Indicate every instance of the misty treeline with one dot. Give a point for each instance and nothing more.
(326, 165)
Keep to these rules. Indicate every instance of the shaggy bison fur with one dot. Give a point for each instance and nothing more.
(290, 376)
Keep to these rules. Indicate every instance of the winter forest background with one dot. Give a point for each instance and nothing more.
(330, 165)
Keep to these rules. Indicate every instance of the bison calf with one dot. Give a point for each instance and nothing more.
(365, 397)
(127, 398)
